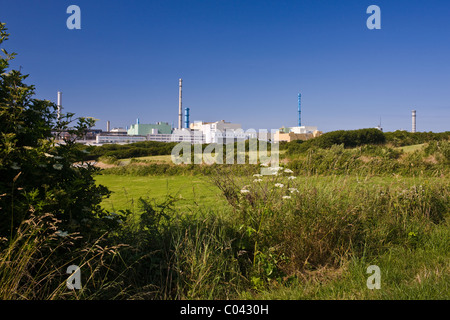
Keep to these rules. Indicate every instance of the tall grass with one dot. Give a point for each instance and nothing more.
(33, 264)
(300, 224)
(23, 270)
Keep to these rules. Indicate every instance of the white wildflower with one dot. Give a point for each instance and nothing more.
(286, 197)
(292, 190)
(288, 171)
(48, 155)
(292, 178)
(58, 166)
(62, 233)
(257, 175)
(245, 191)
(280, 185)
(257, 180)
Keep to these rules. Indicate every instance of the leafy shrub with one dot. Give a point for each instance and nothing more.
(371, 160)
(137, 149)
(348, 138)
(401, 138)
(37, 174)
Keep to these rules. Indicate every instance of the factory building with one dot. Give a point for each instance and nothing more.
(145, 129)
(204, 132)
(119, 138)
(219, 131)
(192, 136)
(299, 132)
(296, 133)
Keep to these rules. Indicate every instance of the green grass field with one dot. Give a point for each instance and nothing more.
(150, 159)
(190, 192)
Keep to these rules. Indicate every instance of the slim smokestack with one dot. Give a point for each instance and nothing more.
(108, 126)
(186, 118)
(59, 104)
(299, 110)
(413, 121)
(180, 120)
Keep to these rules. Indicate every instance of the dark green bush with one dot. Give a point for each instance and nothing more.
(348, 138)
(401, 138)
(372, 160)
(39, 176)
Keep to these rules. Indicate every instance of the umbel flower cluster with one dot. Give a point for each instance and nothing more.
(279, 178)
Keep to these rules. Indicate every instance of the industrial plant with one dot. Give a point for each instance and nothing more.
(196, 132)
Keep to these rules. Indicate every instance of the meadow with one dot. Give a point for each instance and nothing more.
(310, 231)
(190, 192)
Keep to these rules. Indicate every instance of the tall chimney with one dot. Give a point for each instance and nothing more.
(299, 110)
(180, 120)
(413, 121)
(59, 104)
(108, 126)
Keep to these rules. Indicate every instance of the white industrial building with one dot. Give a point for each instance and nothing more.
(303, 129)
(219, 131)
(205, 133)
(193, 137)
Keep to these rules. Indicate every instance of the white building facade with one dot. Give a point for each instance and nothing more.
(219, 131)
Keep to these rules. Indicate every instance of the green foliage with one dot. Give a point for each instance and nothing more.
(137, 149)
(348, 138)
(175, 256)
(172, 170)
(361, 137)
(373, 160)
(404, 138)
(37, 175)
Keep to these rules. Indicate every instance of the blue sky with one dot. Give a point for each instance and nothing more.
(241, 61)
